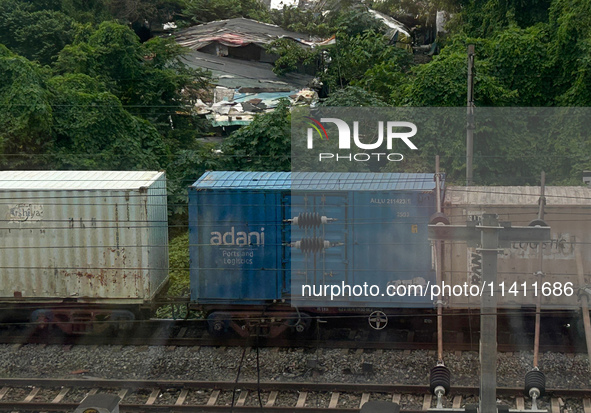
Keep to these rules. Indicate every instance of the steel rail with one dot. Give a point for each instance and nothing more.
(357, 388)
(287, 343)
(270, 386)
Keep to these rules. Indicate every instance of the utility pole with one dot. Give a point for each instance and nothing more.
(541, 204)
(489, 231)
(470, 117)
(489, 236)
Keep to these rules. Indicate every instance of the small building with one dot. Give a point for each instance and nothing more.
(239, 38)
(234, 51)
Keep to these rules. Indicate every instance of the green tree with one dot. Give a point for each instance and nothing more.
(306, 21)
(353, 21)
(202, 11)
(570, 29)
(387, 80)
(351, 57)
(519, 60)
(353, 96)
(262, 145)
(35, 34)
(92, 130)
(292, 56)
(155, 12)
(167, 85)
(26, 114)
(149, 79)
(442, 82)
(359, 45)
(183, 168)
(485, 18)
(111, 54)
(86, 11)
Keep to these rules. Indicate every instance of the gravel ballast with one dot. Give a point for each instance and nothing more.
(284, 365)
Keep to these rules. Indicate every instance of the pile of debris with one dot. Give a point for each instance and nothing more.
(235, 52)
(238, 107)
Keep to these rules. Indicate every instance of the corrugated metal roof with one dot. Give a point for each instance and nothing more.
(233, 32)
(320, 181)
(516, 195)
(390, 22)
(76, 180)
(234, 73)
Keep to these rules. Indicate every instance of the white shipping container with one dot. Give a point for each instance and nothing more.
(566, 212)
(93, 236)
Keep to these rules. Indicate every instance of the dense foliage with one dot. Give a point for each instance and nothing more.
(84, 88)
(529, 53)
(202, 11)
(96, 99)
(263, 145)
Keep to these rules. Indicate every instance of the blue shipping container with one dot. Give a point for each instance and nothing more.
(245, 247)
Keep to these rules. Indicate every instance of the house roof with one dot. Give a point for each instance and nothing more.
(390, 22)
(234, 33)
(235, 73)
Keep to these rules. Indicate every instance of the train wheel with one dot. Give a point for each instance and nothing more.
(378, 320)
(301, 324)
(218, 325)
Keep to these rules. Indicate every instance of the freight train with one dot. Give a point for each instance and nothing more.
(81, 248)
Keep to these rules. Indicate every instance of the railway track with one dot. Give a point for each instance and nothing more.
(58, 395)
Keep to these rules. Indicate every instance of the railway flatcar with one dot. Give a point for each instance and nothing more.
(260, 240)
(78, 248)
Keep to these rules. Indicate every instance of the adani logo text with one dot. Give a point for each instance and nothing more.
(387, 132)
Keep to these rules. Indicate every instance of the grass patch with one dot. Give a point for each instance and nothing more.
(179, 274)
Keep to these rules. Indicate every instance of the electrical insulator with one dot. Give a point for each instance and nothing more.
(312, 244)
(440, 379)
(310, 220)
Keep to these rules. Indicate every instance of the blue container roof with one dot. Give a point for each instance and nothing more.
(317, 181)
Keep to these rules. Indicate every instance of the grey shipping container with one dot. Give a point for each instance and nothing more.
(82, 236)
